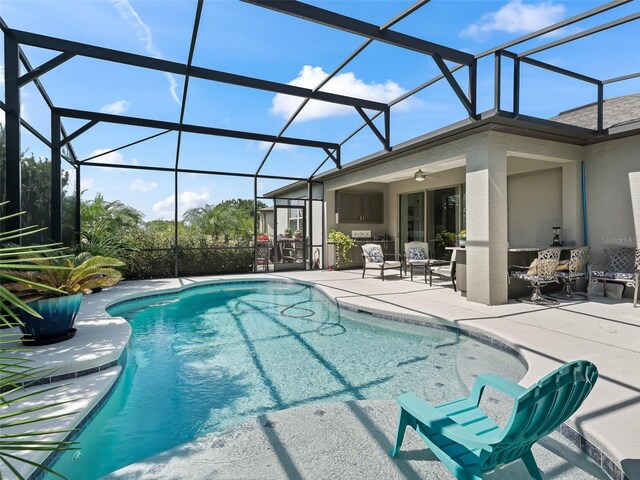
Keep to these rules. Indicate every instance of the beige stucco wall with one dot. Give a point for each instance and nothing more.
(613, 194)
(266, 223)
(352, 180)
(489, 157)
(522, 154)
(535, 206)
(539, 180)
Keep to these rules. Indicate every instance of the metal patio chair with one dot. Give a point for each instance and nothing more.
(444, 269)
(416, 254)
(538, 274)
(374, 259)
(623, 267)
(577, 268)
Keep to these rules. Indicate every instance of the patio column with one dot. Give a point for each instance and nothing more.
(487, 224)
(571, 203)
(634, 187)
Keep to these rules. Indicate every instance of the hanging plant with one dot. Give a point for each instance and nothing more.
(343, 243)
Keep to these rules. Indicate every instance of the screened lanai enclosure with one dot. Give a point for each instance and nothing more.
(200, 176)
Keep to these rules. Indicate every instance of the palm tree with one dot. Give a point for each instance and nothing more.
(226, 222)
(115, 214)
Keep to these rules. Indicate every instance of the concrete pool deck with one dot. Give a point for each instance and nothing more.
(601, 330)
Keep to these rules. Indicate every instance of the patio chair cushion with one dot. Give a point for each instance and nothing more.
(418, 262)
(442, 270)
(387, 265)
(376, 256)
(563, 266)
(416, 254)
(566, 274)
(612, 275)
(533, 268)
(526, 276)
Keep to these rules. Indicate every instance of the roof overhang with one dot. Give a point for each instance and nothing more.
(497, 121)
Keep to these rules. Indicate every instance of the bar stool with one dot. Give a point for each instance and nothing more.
(540, 273)
(577, 268)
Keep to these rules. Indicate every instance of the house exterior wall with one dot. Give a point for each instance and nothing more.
(535, 206)
(613, 194)
(517, 189)
(489, 157)
(352, 180)
(266, 222)
(534, 151)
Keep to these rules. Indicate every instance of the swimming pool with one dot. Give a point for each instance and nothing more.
(207, 358)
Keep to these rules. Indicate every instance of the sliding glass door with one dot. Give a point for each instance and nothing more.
(445, 208)
(412, 218)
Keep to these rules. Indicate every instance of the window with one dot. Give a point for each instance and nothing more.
(295, 218)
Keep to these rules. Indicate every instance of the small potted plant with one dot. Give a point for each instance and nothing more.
(343, 243)
(288, 232)
(462, 238)
(446, 239)
(56, 293)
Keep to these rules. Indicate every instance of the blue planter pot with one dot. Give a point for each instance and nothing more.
(58, 315)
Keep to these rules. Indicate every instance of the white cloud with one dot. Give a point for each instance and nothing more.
(112, 158)
(279, 146)
(141, 186)
(143, 32)
(164, 208)
(86, 183)
(344, 84)
(516, 17)
(116, 108)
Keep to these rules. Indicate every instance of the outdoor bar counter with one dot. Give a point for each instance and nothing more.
(522, 256)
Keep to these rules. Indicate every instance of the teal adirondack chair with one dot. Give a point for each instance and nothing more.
(470, 444)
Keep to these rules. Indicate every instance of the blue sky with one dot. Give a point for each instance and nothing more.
(248, 40)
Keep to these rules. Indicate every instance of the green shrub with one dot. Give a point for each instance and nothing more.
(214, 261)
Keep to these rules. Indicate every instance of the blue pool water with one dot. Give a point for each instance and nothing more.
(208, 358)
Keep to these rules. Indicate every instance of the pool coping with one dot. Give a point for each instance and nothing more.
(579, 440)
(86, 416)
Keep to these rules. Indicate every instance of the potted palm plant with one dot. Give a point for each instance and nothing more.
(56, 293)
(18, 436)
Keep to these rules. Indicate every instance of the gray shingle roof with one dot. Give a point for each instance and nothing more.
(617, 111)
